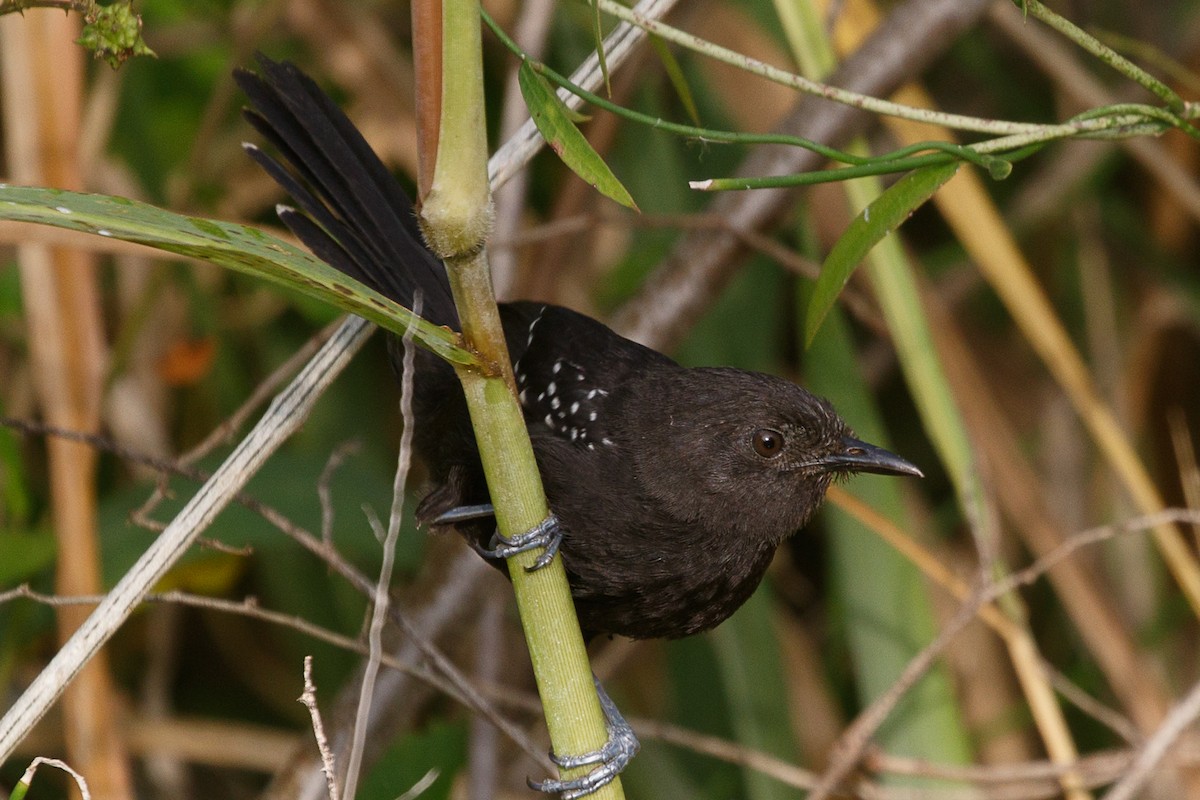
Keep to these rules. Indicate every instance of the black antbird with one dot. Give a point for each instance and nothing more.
(672, 487)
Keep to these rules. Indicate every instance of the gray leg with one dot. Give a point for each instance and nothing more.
(612, 758)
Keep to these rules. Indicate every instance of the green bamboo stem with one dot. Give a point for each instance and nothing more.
(456, 216)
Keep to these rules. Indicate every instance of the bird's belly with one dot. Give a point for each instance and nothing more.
(665, 595)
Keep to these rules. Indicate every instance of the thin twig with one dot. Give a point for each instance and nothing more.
(418, 788)
(323, 550)
(479, 701)
(1107, 716)
(853, 99)
(388, 540)
(20, 6)
(309, 699)
(854, 740)
(1035, 779)
(324, 492)
(1157, 746)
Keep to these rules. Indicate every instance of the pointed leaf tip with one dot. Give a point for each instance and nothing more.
(866, 230)
(553, 121)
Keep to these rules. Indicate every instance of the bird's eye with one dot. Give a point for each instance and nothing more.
(768, 443)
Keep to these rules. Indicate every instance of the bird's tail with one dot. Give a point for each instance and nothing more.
(354, 214)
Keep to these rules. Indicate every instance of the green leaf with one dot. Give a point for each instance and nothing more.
(598, 36)
(237, 247)
(748, 654)
(551, 117)
(866, 230)
(880, 599)
(676, 76)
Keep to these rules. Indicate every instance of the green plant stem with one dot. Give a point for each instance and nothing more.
(1103, 52)
(732, 137)
(1124, 121)
(1109, 122)
(456, 216)
(701, 134)
(881, 167)
(790, 79)
(1152, 55)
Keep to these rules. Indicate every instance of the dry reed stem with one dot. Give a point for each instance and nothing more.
(42, 109)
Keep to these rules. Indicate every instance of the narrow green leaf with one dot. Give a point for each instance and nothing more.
(747, 648)
(882, 598)
(676, 76)
(554, 123)
(866, 230)
(237, 247)
(598, 35)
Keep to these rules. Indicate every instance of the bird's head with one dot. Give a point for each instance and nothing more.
(752, 451)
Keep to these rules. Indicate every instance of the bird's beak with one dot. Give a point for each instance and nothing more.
(858, 456)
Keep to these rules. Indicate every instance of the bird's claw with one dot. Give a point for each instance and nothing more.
(464, 514)
(546, 534)
(613, 757)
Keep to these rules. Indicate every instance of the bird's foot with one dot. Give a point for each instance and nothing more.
(612, 758)
(546, 534)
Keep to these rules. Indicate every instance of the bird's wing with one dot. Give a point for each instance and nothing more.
(572, 371)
